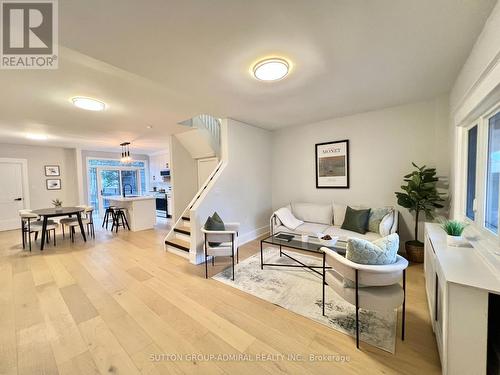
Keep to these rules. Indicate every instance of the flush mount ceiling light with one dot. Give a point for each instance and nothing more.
(271, 69)
(88, 104)
(37, 136)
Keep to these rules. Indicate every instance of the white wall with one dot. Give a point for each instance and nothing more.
(37, 158)
(242, 191)
(184, 177)
(476, 89)
(382, 145)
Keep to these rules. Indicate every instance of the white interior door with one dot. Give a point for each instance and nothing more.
(205, 168)
(11, 194)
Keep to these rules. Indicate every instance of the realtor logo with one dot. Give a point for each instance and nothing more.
(28, 34)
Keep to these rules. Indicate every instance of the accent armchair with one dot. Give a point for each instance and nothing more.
(227, 244)
(376, 287)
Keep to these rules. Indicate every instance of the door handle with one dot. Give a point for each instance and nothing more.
(18, 199)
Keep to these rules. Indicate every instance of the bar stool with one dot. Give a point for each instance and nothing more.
(109, 211)
(119, 215)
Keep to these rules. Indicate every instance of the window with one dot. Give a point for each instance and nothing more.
(471, 172)
(493, 174)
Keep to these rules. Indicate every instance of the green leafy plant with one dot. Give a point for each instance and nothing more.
(453, 227)
(57, 203)
(420, 194)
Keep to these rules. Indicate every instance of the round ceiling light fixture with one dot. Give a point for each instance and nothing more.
(272, 69)
(88, 104)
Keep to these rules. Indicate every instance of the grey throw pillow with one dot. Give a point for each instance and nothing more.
(356, 220)
(214, 222)
(376, 216)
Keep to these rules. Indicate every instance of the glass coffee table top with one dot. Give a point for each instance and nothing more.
(312, 244)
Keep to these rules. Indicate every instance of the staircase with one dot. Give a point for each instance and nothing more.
(180, 240)
(202, 141)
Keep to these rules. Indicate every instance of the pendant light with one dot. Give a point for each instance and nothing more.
(125, 152)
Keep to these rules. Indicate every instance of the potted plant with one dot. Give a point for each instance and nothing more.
(454, 230)
(419, 195)
(57, 204)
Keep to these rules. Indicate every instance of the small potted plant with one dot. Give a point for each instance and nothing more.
(454, 230)
(419, 195)
(57, 204)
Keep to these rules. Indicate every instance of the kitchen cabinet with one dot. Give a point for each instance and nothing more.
(158, 163)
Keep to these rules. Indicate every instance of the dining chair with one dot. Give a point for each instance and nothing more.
(87, 220)
(376, 287)
(227, 244)
(30, 224)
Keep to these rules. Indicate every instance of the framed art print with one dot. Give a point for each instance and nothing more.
(52, 170)
(332, 165)
(54, 184)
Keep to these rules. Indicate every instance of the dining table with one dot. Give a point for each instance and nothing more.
(47, 213)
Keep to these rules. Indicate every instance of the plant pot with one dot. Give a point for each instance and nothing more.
(414, 251)
(455, 240)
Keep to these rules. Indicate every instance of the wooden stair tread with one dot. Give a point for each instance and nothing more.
(183, 230)
(177, 243)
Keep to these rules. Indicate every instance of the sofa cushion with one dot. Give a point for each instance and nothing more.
(356, 220)
(386, 224)
(339, 210)
(313, 213)
(344, 234)
(376, 216)
(287, 218)
(311, 228)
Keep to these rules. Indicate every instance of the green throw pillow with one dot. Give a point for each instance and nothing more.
(381, 251)
(214, 223)
(356, 220)
(376, 216)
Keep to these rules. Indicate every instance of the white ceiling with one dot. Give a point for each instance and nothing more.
(162, 61)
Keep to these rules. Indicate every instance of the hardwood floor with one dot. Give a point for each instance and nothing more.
(118, 303)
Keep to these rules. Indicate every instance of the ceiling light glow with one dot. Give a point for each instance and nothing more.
(37, 136)
(88, 104)
(271, 69)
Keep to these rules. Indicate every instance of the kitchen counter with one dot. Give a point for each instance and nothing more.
(119, 198)
(140, 210)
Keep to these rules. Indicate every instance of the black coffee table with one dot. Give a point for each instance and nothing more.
(47, 213)
(311, 246)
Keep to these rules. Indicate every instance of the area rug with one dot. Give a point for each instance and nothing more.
(299, 290)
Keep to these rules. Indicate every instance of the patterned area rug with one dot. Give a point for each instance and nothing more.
(299, 290)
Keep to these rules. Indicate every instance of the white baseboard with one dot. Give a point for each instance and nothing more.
(250, 236)
(243, 239)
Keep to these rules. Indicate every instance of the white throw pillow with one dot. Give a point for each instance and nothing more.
(386, 224)
(287, 218)
(313, 212)
(339, 210)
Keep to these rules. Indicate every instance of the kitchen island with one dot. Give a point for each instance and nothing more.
(140, 210)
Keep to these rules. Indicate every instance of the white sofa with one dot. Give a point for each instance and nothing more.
(328, 219)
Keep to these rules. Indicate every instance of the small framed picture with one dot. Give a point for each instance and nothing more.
(52, 170)
(332, 165)
(54, 184)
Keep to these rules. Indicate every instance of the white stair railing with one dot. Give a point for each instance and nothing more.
(197, 196)
(209, 123)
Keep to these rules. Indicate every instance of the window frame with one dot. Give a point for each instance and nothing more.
(482, 123)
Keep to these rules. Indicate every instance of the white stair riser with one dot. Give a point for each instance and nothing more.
(186, 223)
(183, 237)
(176, 251)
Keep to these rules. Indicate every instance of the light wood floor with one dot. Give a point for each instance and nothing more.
(109, 305)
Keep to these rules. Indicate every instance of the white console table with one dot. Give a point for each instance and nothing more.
(458, 282)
